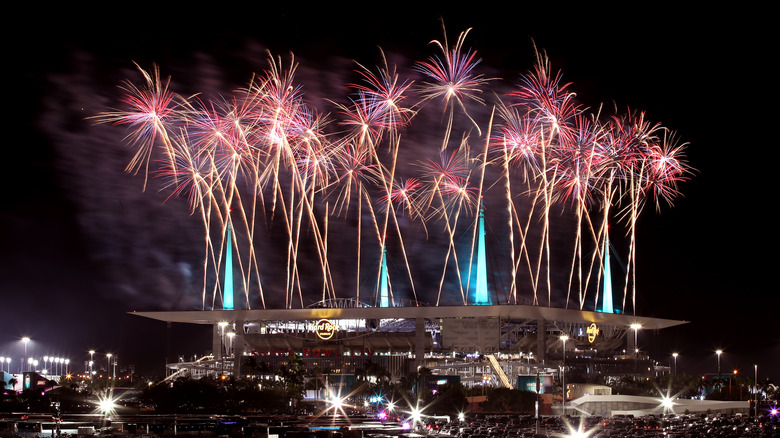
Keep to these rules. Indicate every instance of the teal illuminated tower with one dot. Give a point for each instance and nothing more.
(606, 291)
(227, 290)
(481, 295)
(384, 297)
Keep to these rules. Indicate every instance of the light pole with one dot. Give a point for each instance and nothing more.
(674, 355)
(755, 388)
(718, 352)
(25, 340)
(91, 359)
(564, 338)
(108, 364)
(636, 328)
(230, 336)
(222, 325)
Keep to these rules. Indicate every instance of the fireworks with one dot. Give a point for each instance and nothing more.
(264, 163)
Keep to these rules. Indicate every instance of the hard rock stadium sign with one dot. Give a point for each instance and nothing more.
(325, 329)
(592, 332)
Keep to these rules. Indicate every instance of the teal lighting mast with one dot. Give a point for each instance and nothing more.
(384, 297)
(481, 296)
(606, 291)
(227, 290)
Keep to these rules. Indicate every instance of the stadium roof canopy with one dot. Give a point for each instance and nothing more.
(507, 312)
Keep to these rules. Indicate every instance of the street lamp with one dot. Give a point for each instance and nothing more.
(755, 384)
(108, 364)
(636, 328)
(718, 352)
(25, 340)
(222, 325)
(564, 338)
(674, 355)
(230, 336)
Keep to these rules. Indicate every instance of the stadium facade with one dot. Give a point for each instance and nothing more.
(495, 344)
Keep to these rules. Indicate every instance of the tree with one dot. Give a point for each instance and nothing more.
(509, 400)
(450, 399)
(292, 374)
(185, 395)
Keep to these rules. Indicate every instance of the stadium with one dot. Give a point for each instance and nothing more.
(327, 243)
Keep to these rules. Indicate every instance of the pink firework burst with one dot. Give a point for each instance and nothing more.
(453, 76)
(403, 196)
(364, 119)
(518, 140)
(386, 93)
(666, 168)
(151, 107)
(548, 99)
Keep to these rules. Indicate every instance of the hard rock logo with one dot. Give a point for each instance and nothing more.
(592, 332)
(325, 329)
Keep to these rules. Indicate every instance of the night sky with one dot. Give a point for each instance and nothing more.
(82, 243)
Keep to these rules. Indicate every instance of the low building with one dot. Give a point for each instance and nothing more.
(577, 390)
(610, 405)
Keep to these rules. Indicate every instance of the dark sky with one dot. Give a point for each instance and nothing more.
(82, 244)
